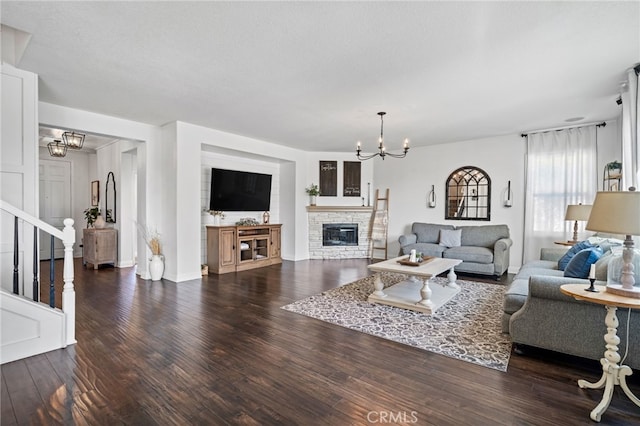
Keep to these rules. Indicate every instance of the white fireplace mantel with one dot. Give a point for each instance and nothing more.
(324, 209)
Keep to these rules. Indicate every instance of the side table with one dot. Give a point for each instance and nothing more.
(612, 373)
(566, 243)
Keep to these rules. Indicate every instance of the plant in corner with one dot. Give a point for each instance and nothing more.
(91, 214)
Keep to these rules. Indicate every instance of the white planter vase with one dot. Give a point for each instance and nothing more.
(207, 219)
(312, 200)
(99, 222)
(156, 267)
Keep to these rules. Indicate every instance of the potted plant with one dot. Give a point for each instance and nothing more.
(217, 216)
(91, 215)
(313, 191)
(156, 263)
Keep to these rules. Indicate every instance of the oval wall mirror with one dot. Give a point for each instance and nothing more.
(468, 192)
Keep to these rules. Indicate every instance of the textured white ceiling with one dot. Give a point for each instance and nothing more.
(313, 75)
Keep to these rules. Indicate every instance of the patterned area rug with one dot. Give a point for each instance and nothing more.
(467, 327)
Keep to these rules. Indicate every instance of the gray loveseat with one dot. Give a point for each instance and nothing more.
(483, 249)
(536, 313)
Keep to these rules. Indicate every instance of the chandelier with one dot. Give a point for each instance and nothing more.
(57, 148)
(382, 151)
(73, 140)
(70, 140)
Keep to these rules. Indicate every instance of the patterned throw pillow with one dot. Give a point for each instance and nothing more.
(580, 264)
(564, 260)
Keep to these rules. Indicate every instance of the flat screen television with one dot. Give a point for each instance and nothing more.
(236, 191)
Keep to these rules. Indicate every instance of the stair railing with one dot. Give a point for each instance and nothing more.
(68, 238)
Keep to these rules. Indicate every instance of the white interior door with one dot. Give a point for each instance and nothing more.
(55, 202)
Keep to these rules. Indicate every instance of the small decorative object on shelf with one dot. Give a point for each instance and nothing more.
(592, 279)
(265, 217)
(99, 222)
(247, 221)
(217, 216)
(313, 191)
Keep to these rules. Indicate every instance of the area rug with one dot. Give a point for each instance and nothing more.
(468, 327)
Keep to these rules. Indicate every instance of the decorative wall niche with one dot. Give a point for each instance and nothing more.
(468, 196)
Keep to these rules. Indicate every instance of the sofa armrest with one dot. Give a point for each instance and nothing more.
(547, 287)
(407, 239)
(553, 254)
(501, 250)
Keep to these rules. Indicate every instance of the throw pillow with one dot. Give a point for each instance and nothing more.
(580, 264)
(602, 265)
(564, 260)
(450, 237)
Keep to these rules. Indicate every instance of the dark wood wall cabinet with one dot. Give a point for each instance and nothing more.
(238, 248)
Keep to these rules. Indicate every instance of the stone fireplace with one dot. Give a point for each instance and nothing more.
(339, 232)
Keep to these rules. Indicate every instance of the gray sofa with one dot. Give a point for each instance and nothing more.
(536, 313)
(483, 249)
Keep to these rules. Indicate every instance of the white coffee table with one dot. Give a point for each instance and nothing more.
(415, 293)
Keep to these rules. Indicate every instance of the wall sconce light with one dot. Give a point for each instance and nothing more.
(73, 140)
(508, 202)
(432, 197)
(57, 148)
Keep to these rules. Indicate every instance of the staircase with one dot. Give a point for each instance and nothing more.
(29, 327)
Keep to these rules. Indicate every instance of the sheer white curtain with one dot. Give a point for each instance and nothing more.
(630, 131)
(561, 170)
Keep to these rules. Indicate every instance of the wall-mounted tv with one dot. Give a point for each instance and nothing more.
(236, 191)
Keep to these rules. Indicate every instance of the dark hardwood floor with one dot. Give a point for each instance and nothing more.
(221, 351)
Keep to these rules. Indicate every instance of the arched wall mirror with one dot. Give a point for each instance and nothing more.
(468, 192)
(110, 198)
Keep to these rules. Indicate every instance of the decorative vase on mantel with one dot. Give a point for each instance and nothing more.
(156, 267)
(312, 200)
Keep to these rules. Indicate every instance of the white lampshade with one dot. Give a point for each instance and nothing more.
(578, 212)
(616, 212)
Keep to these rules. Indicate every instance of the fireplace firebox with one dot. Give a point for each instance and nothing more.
(339, 234)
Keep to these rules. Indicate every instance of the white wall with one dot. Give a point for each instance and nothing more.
(149, 186)
(502, 157)
(172, 188)
(18, 169)
(366, 177)
(409, 181)
(221, 161)
(290, 208)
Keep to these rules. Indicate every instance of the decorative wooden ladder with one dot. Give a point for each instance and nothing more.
(380, 223)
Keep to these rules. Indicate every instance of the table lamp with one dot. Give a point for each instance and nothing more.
(577, 212)
(618, 212)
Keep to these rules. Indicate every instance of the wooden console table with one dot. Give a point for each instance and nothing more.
(238, 248)
(612, 373)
